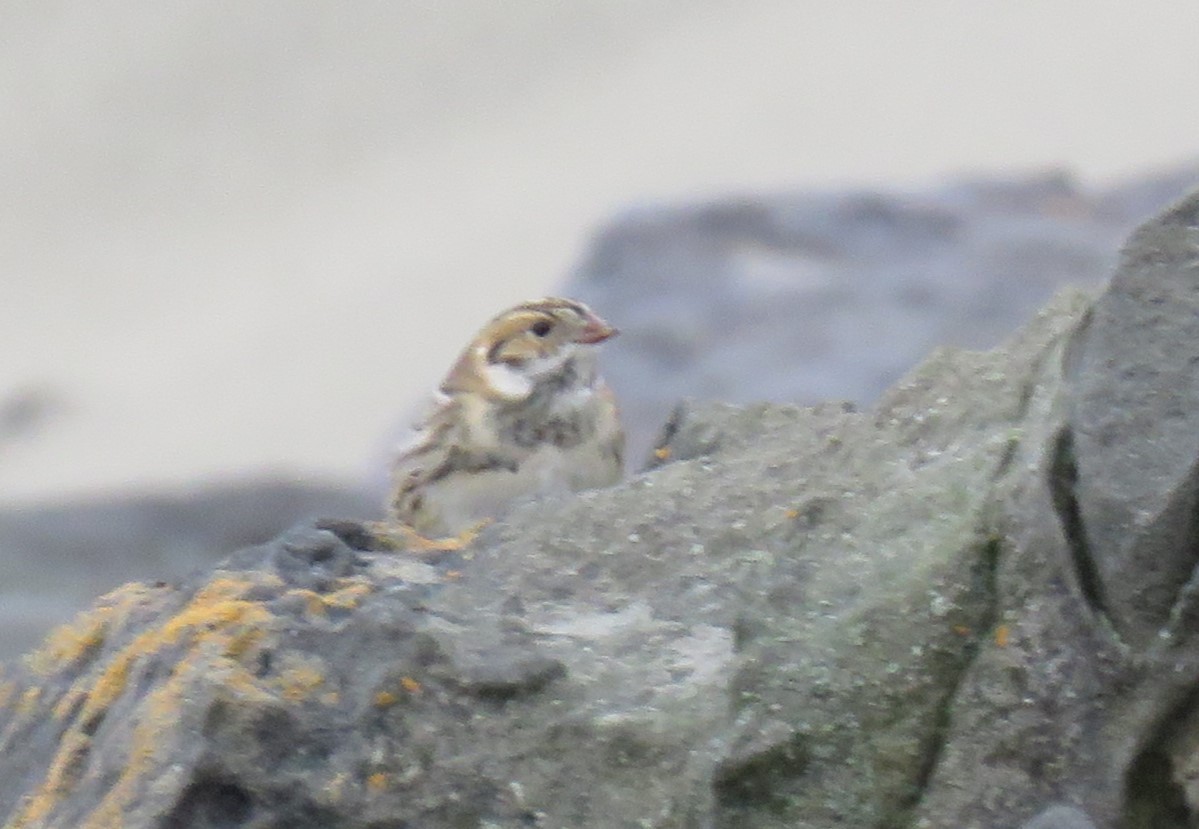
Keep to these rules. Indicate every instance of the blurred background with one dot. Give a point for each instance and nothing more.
(238, 240)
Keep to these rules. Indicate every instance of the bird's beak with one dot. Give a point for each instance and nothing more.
(595, 331)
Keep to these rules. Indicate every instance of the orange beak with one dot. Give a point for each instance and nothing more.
(595, 331)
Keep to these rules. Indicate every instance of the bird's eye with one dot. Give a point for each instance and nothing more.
(541, 327)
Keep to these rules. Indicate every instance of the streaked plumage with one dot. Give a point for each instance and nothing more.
(523, 412)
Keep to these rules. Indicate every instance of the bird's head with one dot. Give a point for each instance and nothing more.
(526, 345)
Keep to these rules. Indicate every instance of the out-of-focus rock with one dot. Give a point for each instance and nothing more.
(57, 559)
(798, 298)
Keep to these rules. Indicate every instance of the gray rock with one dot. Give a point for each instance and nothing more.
(1131, 443)
(1060, 817)
(1092, 694)
(800, 298)
(769, 633)
(932, 613)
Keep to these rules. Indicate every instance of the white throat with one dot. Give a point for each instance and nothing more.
(507, 381)
(518, 382)
(545, 366)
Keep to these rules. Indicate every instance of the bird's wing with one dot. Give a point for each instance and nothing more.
(419, 458)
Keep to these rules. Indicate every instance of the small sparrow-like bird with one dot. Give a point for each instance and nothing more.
(522, 413)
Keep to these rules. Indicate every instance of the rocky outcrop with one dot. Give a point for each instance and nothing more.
(789, 298)
(1093, 699)
(803, 297)
(971, 605)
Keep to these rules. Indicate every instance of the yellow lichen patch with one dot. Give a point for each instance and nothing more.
(7, 690)
(1002, 635)
(314, 603)
(241, 644)
(154, 735)
(410, 685)
(28, 701)
(87, 632)
(65, 769)
(349, 594)
(68, 642)
(385, 699)
(216, 617)
(662, 453)
(95, 694)
(243, 683)
(60, 777)
(377, 783)
(220, 630)
(220, 640)
(22, 708)
(299, 680)
(218, 606)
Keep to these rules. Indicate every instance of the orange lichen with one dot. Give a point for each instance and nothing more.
(60, 777)
(410, 685)
(68, 643)
(962, 630)
(220, 629)
(377, 783)
(28, 701)
(314, 603)
(157, 719)
(243, 684)
(662, 453)
(7, 690)
(215, 617)
(349, 594)
(385, 699)
(453, 575)
(22, 708)
(791, 514)
(1002, 634)
(297, 682)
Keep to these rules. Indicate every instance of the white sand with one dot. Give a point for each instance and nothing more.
(245, 236)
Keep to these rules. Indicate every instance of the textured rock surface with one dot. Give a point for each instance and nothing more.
(939, 612)
(799, 298)
(1060, 817)
(1092, 700)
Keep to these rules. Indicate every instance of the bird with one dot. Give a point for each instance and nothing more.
(522, 413)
